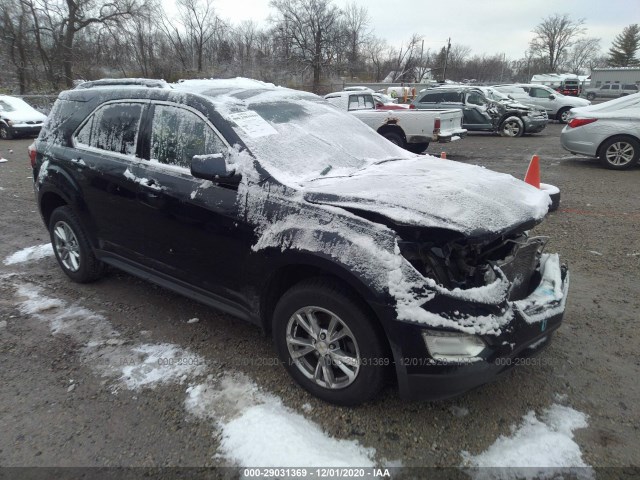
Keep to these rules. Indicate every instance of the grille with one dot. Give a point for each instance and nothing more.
(519, 268)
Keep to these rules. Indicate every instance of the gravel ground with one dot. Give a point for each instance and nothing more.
(592, 364)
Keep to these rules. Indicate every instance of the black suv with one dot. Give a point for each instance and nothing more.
(362, 260)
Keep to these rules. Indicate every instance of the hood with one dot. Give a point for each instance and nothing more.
(21, 116)
(426, 191)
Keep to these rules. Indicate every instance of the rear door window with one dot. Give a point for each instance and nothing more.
(361, 102)
(177, 134)
(432, 98)
(113, 127)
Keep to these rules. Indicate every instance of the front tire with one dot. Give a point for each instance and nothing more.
(329, 344)
(6, 133)
(512, 127)
(591, 96)
(563, 115)
(72, 248)
(619, 153)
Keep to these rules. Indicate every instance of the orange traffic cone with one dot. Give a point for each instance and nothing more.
(443, 155)
(532, 177)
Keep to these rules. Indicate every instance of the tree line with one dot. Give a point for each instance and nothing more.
(46, 45)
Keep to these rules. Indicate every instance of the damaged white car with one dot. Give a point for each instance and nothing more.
(366, 263)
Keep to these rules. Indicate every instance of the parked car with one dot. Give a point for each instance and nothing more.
(609, 131)
(18, 118)
(496, 96)
(405, 127)
(611, 90)
(480, 113)
(360, 259)
(556, 104)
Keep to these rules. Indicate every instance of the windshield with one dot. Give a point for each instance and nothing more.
(11, 104)
(297, 136)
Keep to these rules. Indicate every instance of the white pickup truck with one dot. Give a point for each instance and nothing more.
(408, 128)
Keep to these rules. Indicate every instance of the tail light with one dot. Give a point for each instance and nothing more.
(412, 106)
(32, 154)
(578, 122)
(436, 125)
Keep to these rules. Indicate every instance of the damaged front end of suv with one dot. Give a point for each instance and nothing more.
(489, 303)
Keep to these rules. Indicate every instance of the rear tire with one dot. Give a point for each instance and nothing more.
(315, 324)
(394, 138)
(72, 248)
(417, 147)
(591, 96)
(619, 153)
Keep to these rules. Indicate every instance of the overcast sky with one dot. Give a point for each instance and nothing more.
(486, 26)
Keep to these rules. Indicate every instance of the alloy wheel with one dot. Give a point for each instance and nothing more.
(323, 347)
(66, 245)
(620, 153)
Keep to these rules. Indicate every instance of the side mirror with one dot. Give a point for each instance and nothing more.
(213, 167)
(552, 97)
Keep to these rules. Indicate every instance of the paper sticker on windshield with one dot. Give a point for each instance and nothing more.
(253, 124)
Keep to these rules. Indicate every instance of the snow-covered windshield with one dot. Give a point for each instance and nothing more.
(11, 104)
(297, 136)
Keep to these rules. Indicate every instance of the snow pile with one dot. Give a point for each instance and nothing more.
(537, 449)
(257, 430)
(29, 253)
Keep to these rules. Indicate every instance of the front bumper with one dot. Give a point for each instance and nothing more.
(535, 124)
(529, 331)
(20, 129)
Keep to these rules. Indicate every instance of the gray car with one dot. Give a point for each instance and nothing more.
(609, 131)
(556, 104)
(611, 90)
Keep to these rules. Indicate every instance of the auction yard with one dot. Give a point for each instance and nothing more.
(123, 373)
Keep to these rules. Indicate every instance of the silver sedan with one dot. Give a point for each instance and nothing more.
(609, 131)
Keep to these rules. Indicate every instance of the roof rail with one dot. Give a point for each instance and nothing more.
(124, 82)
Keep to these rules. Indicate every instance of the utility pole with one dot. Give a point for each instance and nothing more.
(446, 60)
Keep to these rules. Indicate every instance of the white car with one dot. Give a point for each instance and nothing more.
(556, 105)
(609, 131)
(17, 118)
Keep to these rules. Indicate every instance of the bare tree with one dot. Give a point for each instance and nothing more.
(583, 52)
(309, 27)
(554, 36)
(356, 21)
(200, 23)
(403, 61)
(374, 51)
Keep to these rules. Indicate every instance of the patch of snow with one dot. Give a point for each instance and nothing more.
(307, 408)
(537, 448)
(3, 324)
(193, 320)
(287, 439)
(234, 404)
(159, 364)
(3, 160)
(29, 253)
(595, 253)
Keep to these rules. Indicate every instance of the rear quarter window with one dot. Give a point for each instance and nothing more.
(113, 128)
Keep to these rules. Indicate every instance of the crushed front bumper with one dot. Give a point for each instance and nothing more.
(527, 331)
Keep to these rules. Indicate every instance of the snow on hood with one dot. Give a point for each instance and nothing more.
(20, 111)
(430, 192)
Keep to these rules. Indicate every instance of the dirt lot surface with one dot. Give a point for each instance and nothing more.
(56, 408)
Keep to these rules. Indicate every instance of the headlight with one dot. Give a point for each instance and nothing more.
(452, 347)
